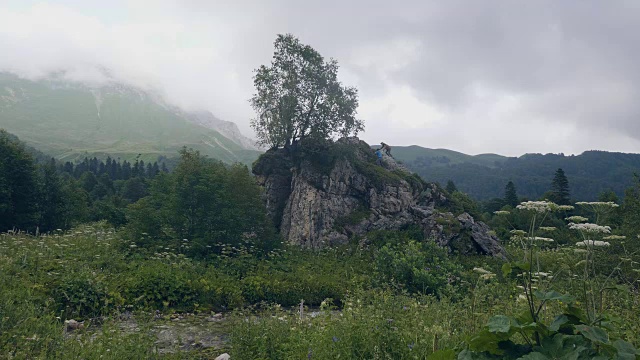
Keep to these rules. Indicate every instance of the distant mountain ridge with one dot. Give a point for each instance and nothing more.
(70, 120)
(485, 176)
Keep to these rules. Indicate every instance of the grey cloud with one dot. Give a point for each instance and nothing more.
(487, 67)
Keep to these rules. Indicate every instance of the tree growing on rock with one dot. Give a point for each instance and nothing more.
(299, 96)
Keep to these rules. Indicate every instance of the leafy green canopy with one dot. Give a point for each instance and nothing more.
(203, 205)
(18, 185)
(299, 95)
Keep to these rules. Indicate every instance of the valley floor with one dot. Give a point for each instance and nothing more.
(157, 303)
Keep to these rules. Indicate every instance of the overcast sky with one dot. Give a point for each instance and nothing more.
(506, 77)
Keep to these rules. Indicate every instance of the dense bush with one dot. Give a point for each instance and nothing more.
(202, 205)
(418, 267)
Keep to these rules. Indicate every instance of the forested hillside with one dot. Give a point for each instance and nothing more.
(484, 176)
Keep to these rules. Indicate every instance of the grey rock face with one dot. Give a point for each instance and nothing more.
(348, 194)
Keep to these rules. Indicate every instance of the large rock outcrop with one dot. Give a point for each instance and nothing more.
(323, 193)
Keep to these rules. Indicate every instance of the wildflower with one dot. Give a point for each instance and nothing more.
(537, 206)
(615, 237)
(543, 239)
(487, 276)
(591, 228)
(481, 271)
(592, 243)
(564, 207)
(576, 219)
(133, 246)
(541, 274)
(547, 228)
(502, 212)
(598, 203)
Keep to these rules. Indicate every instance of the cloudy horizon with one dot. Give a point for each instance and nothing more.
(490, 77)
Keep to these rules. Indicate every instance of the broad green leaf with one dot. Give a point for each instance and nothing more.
(593, 333)
(499, 324)
(626, 351)
(560, 347)
(447, 354)
(553, 295)
(487, 341)
(558, 322)
(534, 356)
(465, 355)
(522, 265)
(506, 269)
(470, 355)
(575, 314)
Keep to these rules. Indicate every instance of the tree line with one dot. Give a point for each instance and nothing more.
(625, 217)
(45, 195)
(590, 173)
(202, 201)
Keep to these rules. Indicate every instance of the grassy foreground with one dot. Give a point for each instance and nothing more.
(359, 302)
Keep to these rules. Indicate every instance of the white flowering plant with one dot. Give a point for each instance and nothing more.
(581, 331)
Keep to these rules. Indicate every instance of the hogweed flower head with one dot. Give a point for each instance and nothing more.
(598, 203)
(576, 219)
(502, 212)
(547, 228)
(590, 228)
(614, 237)
(518, 232)
(564, 207)
(543, 239)
(537, 206)
(481, 271)
(594, 243)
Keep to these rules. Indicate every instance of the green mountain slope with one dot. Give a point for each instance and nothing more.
(443, 157)
(69, 120)
(485, 176)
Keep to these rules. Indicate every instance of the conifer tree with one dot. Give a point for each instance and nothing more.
(451, 187)
(52, 201)
(560, 188)
(510, 194)
(18, 186)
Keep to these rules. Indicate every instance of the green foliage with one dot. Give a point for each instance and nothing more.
(451, 187)
(299, 95)
(510, 195)
(354, 218)
(371, 325)
(631, 208)
(61, 274)
(80, 295)
(418, 267)
(461, 203)
(204, 204)
(583, 330)
(560, 189)
(18, 186)
(483, 176)
(159, 285)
